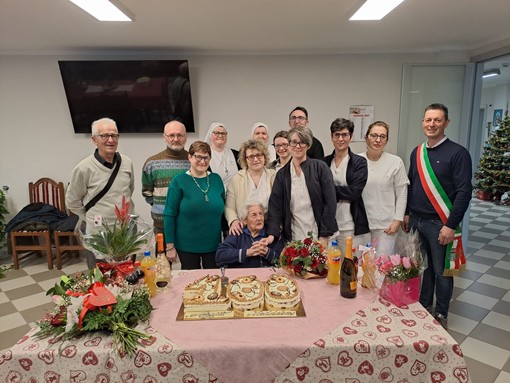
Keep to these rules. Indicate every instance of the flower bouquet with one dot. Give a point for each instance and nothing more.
(305, 259)
(116, 242)
(95, 303)
(401, 284)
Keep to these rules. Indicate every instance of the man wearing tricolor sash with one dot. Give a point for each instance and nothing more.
(439, 193)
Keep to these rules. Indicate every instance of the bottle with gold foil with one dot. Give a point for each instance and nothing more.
(163, 267)
(348, 272)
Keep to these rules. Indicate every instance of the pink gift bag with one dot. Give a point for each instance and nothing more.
(401, 293)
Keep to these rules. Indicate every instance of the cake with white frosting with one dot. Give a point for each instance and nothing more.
(246, 294)
(203, 286)
(281, 293)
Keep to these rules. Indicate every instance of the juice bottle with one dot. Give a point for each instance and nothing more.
(163, 267)
(334, 262)
(348, 273)
(147, 265)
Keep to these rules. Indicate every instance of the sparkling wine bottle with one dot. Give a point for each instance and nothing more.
(163, 267)
(348, 273)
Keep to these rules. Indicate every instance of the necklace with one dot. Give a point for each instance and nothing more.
(202, 190)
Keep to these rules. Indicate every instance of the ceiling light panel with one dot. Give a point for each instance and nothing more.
(103, 10)
(375, 9)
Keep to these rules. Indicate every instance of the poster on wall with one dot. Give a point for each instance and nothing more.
(362, 116)
(498, 116)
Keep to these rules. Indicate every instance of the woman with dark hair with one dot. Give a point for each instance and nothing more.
(350, 176)
(252, 183)
(193, 210)
(303, 196)
(385, 194)
(281, 145)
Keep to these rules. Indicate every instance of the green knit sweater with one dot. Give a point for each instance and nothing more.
(157, 173)
(193, 224)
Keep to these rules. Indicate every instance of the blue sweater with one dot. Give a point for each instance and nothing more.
(232, 252)
(451, 163)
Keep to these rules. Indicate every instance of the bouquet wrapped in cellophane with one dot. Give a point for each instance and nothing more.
(401, 271)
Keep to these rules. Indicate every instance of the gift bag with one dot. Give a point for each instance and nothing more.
(402, 292)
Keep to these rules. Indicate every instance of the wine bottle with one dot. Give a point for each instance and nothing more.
(163, 267)
(348, 274)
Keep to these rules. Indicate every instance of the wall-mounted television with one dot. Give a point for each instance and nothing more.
(140, 95)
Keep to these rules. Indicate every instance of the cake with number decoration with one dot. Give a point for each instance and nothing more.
(203, 286)
(246, 294)
(281, 293)
(206, 302)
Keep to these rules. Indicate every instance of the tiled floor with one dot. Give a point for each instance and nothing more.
(479, 316)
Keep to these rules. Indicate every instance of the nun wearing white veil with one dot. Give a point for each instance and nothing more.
(260, 131)
(223, 159)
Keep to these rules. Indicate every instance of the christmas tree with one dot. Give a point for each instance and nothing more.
(493, 176)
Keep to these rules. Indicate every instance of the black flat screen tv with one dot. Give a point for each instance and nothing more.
(140, 95)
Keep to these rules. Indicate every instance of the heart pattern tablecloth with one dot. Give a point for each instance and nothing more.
(382, 343)
(92, 359)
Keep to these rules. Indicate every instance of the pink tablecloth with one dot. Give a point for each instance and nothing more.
(382, 343)
(92, 359)
(254, 350)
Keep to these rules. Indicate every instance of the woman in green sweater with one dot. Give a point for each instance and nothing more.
(195, 202)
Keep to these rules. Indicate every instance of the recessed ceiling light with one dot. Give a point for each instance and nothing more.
(375, 9)
(103, 10)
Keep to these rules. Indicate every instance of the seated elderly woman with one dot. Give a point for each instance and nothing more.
(246, 249)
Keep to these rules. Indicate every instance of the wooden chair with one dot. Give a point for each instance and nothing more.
(47, 191)
(66, 242)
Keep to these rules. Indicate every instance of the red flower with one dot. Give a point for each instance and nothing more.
(123, 213)
(304, 257)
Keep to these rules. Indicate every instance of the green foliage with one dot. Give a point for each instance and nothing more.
(132, 307)
(493, 175)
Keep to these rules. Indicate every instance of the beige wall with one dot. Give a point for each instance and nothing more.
(37, 138)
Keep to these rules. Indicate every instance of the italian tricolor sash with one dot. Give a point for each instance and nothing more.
(454, 261)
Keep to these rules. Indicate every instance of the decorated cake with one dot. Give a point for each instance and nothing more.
(246, 293)
(206, 302)
(203, 286)
(281, 293)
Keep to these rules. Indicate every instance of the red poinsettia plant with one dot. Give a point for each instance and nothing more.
(126, 236)
(304, 258)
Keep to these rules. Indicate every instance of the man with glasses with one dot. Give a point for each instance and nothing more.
(299, 116)
(93, 173)
(159, 170)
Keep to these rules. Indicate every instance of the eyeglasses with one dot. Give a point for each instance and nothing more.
(174, 136)
(105, 137)
(375, 136)
(297, 118)
(252, 157)
(297, 143)
(200, 158)
(281, 146)
(220, 134)
(344, 136)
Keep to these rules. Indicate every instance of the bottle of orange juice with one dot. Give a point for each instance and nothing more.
(147, 264)
(334, 261)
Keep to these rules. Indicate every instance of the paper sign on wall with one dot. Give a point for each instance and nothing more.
(362, 116)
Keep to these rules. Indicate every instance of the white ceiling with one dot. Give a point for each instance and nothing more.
(260, 26)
